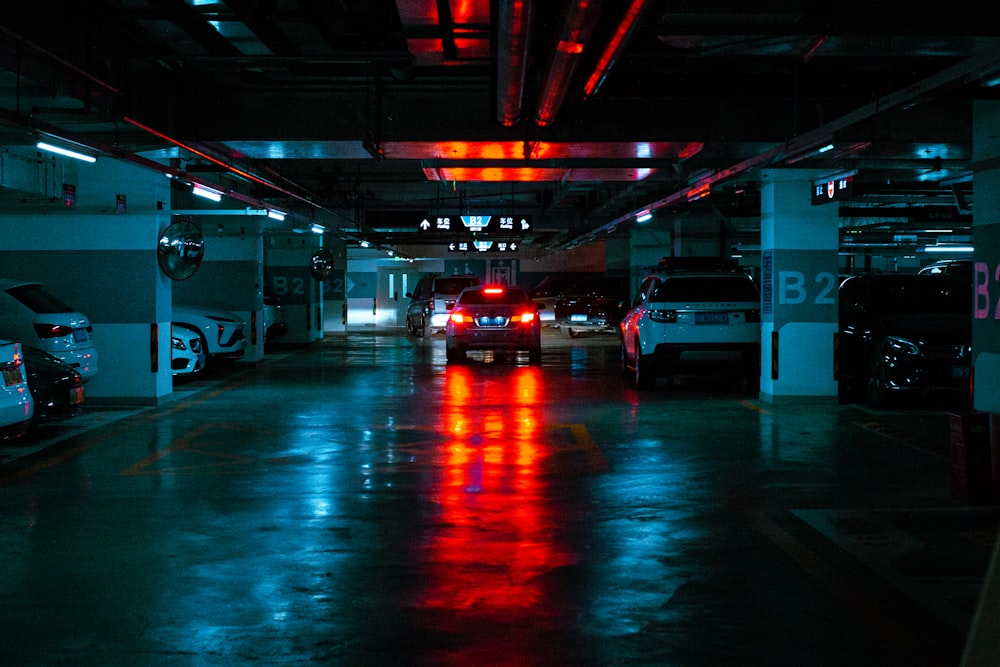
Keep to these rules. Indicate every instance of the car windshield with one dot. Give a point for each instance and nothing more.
(936, 295)
(708, 288)
(452, 285)
(483, 296)
(38, 300)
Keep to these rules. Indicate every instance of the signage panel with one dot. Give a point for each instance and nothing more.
(475, 224)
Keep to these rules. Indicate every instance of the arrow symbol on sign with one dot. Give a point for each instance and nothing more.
(425, 225)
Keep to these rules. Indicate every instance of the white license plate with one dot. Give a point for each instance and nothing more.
(577, 317)
(711, 318)
(12, 376)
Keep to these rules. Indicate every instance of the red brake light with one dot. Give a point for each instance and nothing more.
(524, 318)
(493, 290)
(458, 318)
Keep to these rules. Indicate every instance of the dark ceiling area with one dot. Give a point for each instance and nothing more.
(575, 114)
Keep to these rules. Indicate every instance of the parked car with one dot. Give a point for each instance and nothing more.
(960, 267)
(16, 404)
(904, 334)
(493, 317)
(592, 304)
(56, 389)
(222, 332)
(549, 289)
(187, 354)
(680, 310)
(33, 316)
(432, 300)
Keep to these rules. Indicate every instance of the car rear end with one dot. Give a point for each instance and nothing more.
(16, 403)
(58, 328)
(592, 305)
(493, 318)
(704, 313)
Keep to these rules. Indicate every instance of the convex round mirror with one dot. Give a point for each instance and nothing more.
(180, 250)
(321, 264)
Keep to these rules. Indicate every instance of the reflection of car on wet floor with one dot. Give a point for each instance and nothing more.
(904, 334)
(493, 317)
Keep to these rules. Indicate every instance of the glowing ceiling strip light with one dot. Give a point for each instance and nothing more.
(65, 152)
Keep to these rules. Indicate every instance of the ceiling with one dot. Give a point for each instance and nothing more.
(574, 115)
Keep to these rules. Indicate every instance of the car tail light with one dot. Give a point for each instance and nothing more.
(493, 290)
(524, 318)
(458, 317)
(52, 330)
(664, 316)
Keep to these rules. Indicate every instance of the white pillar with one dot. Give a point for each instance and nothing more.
(799, 282)
(986, 233)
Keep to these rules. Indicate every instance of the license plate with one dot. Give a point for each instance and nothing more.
(711, 318)
(497, 321)
(76, 395)
(12, 375)
(80, 335)
(577, 317)
(961, 372)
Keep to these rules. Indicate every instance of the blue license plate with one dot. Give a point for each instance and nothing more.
(961, 372)
(498, 321)
(578, 317)
(711, 318)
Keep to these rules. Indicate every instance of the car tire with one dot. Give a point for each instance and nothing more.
(645, 377)
(568, 332)
(878, 394)
(454, 355)
(535, 356)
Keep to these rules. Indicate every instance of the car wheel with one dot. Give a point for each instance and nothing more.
(454, 355)
(535, 356)
(422, 329)
(626, 370)
(878, 394)
(645, 378)
(566, 331)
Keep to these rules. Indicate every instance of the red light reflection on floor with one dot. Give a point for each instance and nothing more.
(495, 535)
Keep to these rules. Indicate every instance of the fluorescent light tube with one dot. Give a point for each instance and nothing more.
(206, 193)
(65, 151)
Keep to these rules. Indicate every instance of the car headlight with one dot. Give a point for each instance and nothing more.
(902, 346)
(177, 343)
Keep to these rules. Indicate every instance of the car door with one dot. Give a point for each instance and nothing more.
(630, 322)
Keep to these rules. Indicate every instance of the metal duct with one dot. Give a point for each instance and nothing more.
(618, 41)
(514, 30)
(575, 28)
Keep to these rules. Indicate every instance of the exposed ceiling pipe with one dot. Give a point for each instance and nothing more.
(513, 41)
(574, 31)
(615, 46)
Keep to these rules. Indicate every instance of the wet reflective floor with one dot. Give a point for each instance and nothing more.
(362, 502)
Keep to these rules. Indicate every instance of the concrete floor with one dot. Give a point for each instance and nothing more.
(361, 502)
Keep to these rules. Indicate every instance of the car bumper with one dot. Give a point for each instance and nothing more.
(494, 340)
(667, 354)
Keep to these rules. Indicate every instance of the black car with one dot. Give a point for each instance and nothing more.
(592, 304)
(904, 334)
(56, 388)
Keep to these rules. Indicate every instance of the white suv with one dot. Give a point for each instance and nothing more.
(696, 310)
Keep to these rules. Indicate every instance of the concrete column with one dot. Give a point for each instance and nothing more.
(986, 233)
(289, 258)
(799, 283)
(95, 248)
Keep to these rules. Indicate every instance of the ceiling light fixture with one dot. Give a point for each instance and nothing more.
(206, 193)
(317, 229)
(66, 152)
(644, 216)
(275, 214)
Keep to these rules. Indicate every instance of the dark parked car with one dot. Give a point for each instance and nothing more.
(56, 388)
(903, 334)
(550, 288)
(592, 304)
(493, 317)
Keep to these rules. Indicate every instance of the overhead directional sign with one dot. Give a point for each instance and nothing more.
(476, 224)
(484, 246)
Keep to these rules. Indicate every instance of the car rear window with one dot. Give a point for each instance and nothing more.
(453, 285)
(708, 288)
(38, 300)
(936, 295)
(479, 297)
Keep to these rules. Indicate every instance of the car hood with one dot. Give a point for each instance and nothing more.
(930, 328)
